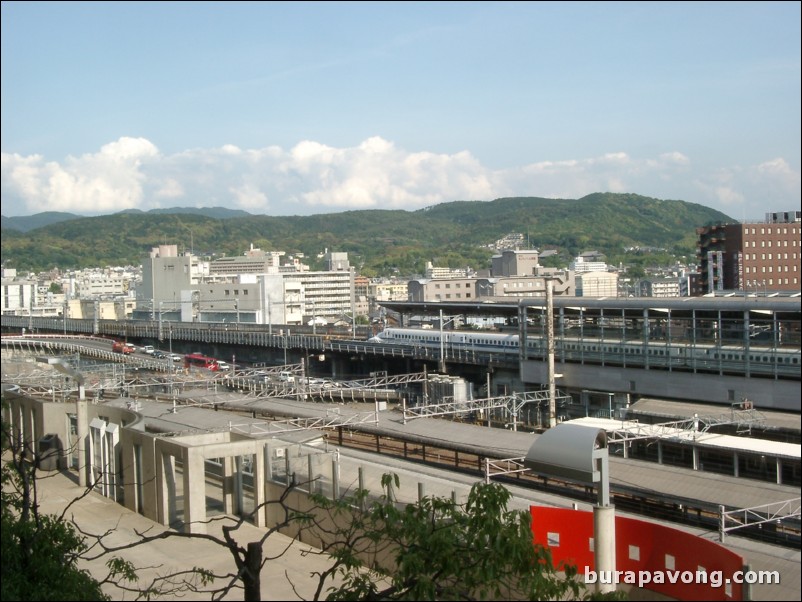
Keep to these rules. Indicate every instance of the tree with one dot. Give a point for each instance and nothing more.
(437, 550)
(40, 552)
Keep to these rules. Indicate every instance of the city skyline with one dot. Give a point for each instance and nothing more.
(304, 108)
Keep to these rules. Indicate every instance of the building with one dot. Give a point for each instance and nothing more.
(662, 287)
(515, 274)
(361, 295)
(252, 288)
(383, 290)
(18, 294)
(387, 290)
(337, 262)
(438, 273)
(255, 261)
(762, 257)
(514, 263)
(580, 265)
(597, 284)
(442, 289)
(101, 284)
(520, 287)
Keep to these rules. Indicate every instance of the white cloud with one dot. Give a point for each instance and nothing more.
(675, 157)
(105, 182)
(171, 189)
(249, 197)
(312, 177)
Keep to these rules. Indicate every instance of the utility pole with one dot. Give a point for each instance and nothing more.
(550, 344)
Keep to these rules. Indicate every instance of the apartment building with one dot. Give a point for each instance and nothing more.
(751, 256)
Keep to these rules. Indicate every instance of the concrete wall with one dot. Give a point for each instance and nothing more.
(764, 392)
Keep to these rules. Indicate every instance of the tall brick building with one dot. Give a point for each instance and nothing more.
(760, 257)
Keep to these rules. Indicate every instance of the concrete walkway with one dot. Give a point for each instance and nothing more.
(289, 571)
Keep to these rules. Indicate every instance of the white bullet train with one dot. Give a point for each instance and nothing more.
(759, 360)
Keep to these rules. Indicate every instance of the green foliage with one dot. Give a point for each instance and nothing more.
(441, 550)
(388, 242)
(39, 561)
(40, 552)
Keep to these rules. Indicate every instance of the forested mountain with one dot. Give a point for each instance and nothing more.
(25, 223)
(379, 242)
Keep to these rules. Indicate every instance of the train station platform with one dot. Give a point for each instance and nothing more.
(627, 474)
(665, 410)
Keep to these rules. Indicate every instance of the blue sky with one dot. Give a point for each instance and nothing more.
(300, 108)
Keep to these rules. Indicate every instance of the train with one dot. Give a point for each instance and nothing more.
(759, 359)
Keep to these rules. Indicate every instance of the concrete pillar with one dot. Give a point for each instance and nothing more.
(604, 547)
(167, 494)
(151, 483)
(194, 491)
(335, 476)
(259, 493)
(228, 485)
(735, 467)
(268, 452)
(82, 443)
(274, 513)
(659, 452)
(130, 470)
(237, 489)
(695, 457)
(361, 479)
(779, 471)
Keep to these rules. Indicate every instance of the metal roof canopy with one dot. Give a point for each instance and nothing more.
(784, 307)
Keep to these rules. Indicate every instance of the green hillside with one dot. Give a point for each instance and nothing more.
(378, 242)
